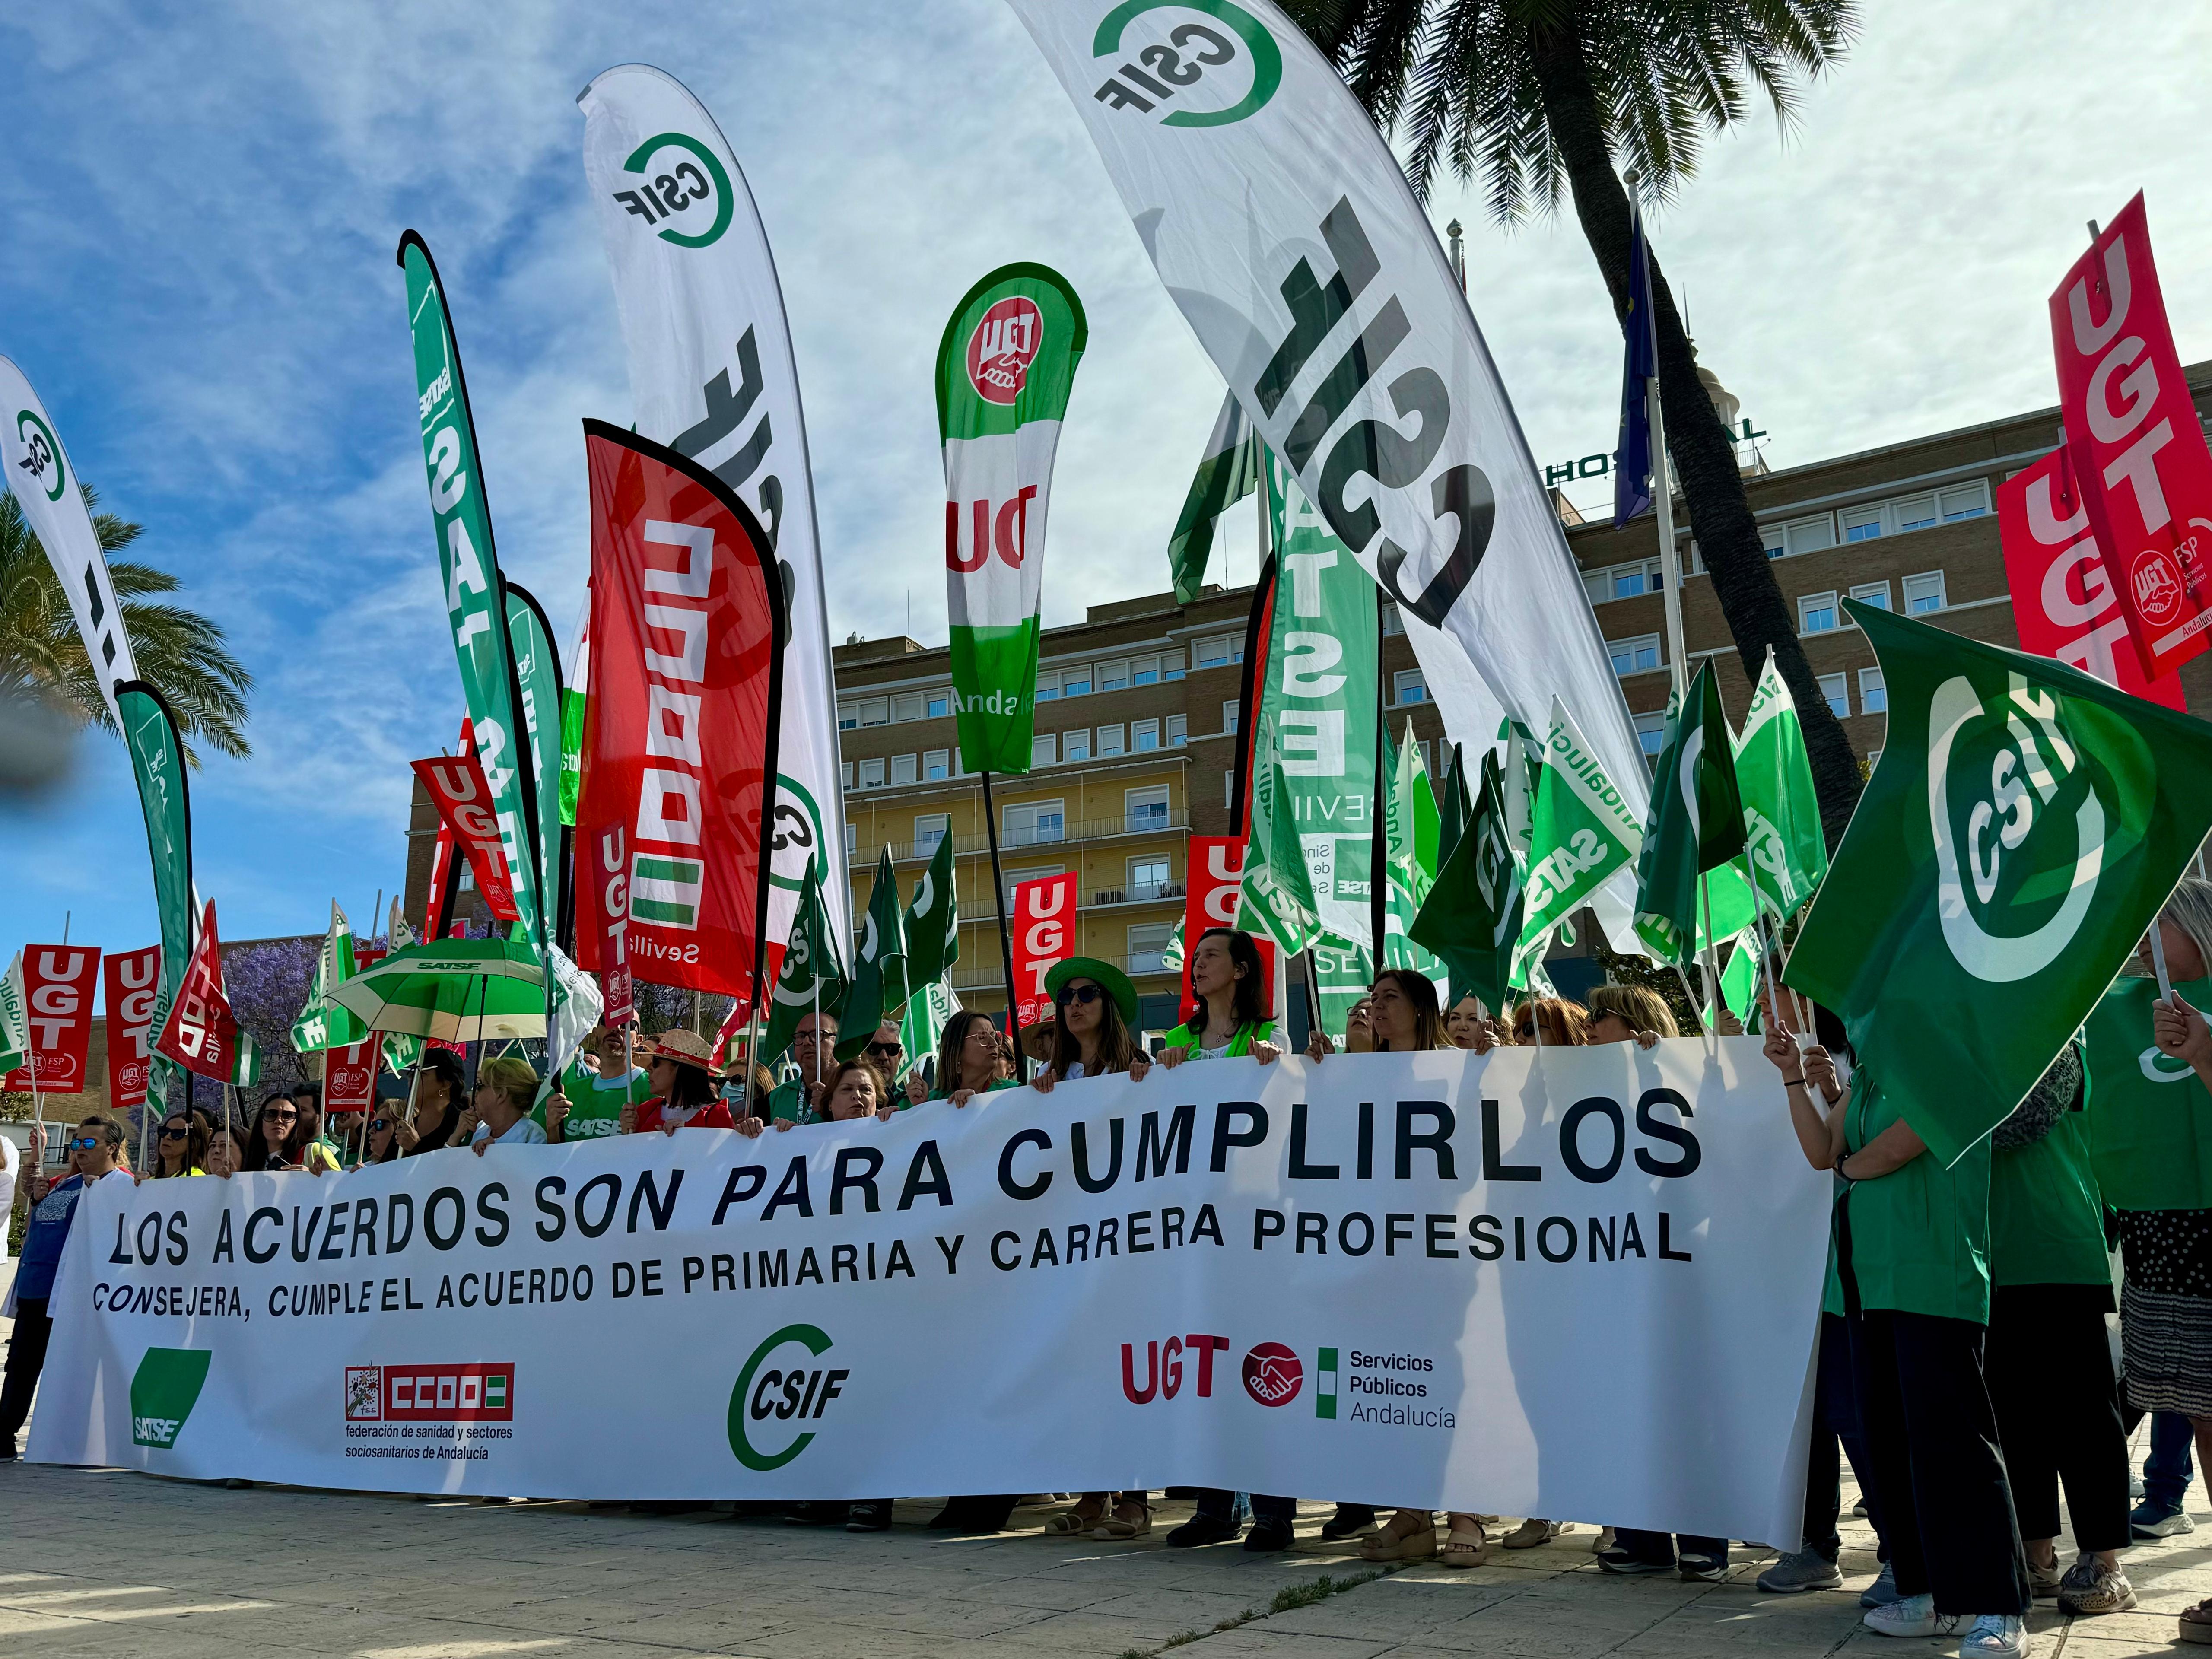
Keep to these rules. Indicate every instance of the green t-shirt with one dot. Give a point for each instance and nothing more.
(1920, 1235)
(1189, 1038)
(2046, 1222)
(2150, 1120)
(595, 1103)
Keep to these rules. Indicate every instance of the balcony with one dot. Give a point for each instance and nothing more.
(989, 974)
(1141, 892)
(1136, 821)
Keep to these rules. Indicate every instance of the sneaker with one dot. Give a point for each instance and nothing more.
(1203, 1529)
(2043, 1581)
(1349, 1521)
(1883, 1591)
(2089, 1588)
(2149, 1520)
(1533, 1532)
(1995, 1635)
(1627, 1562)
(1914, 1615)
(1702, 1569)
(1806, 1570)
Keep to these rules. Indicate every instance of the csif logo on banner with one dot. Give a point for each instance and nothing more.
(1173, 58)
(2013, 890)
(40, 453)
(669, 186)
(792, 1391)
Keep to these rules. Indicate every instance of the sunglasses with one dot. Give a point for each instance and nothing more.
(1084, 994)
(176, 1133)
(281, 1117)
(84, 1143)
(886, 1050)
(380, 1125)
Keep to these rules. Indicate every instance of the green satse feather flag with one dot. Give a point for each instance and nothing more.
(2025, 823)
(1276, 896)
(1227, 473)
(812, 977)
(879, 978)
(1696, 822)
(1473, 917)
(1581, 833)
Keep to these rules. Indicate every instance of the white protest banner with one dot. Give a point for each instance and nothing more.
(1578, 1281)
(1281, 226)
(712, 376)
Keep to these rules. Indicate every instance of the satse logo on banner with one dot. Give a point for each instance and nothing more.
(58, 985)
(163, 1391)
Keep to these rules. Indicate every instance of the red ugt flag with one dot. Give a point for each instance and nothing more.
(203, 1034)
(457, 784)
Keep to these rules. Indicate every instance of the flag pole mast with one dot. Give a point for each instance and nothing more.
(1663, 494)
(1006, 937)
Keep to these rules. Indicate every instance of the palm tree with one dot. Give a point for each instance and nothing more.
(1524, 95)
(178, 651)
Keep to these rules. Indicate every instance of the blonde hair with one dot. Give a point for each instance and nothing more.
(1637, 1006)
(1560, 1022)
(2190, 910)
(515, 1079)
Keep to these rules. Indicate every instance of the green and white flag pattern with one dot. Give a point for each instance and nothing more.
(15, 1019)
(1005, 369)
(1696, 822)
(537, 682)
(879, 978)
(1781, 812)
(1583, 832)
(2025, 823)
(1411, 825)
(812, 977)
(920, 1026)
(1276, 896)
(1227, 473)
(1474, 916)
(932, 921)
(157, 763)
(323, 1024)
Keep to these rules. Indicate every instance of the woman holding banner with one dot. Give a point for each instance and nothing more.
(678, 1066)
(1094, 1014)
(434, 1117)
(1911, 1281)
(1230, 981)
(183, 1145)
(969, 1051)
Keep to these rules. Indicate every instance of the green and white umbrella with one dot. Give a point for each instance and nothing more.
(456, 990)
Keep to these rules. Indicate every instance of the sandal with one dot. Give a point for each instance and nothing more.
(1118, 1527)
(1391, 1544)
(1466, 1549)
(2196, 1622)
(1073, 1523)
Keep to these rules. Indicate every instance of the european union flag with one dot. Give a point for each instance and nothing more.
(1631, 460)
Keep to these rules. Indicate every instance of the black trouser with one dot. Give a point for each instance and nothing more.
(1836, 1418)
(1662, 1546)
(1218, 1505)
(27, 1358)
(2058, 1409)
(1939, 1474)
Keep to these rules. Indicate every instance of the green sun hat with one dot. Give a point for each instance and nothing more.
(1111, 979)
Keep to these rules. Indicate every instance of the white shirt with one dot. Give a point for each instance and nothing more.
(525, 1131)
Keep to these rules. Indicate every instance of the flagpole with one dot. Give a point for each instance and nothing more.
(1378, 846)
(1663, 493)
(1006, 937)
(1712, 947)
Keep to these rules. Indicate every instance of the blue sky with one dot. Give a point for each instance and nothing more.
(201, 204)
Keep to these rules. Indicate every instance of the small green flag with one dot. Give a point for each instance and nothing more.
(2024, 825)
(1696, 822)
(1277, 896)
(927, 1011)
(879, 980)
(1473, 917)
(322, 1023)
(15, 1019)
(1227, 473)
(1781, 812)
(1411, 825)
(932, 921)
(812, 977)
(1581, 833)
(1455, 808)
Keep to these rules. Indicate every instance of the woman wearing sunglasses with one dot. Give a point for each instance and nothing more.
(183, 1145)
(275, 1141)
(1094, 1024)
(383, 1140)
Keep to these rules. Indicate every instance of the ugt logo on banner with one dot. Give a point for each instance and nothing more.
(58, 985)
(1044, 933)
(134, 978)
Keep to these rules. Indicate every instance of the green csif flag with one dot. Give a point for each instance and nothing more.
(1411, 824)
(812, 977)
(1276, 896)
(157, 762)
(1781, 812)
(1455, 808)
(2024, 825)
(879, 978)
(475, 608)
(1472, 916)
(923, 1022)
(1005, 369)
(1227, 472)
(323, 1024)
(1581, 832)
(1696, 822)
(932, 921)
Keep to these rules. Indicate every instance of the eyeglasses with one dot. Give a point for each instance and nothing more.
(1084, 994)
(886, 1050)
(173, 1132)
(84, 1143)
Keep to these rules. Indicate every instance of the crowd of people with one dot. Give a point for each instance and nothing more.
(1964, 1367)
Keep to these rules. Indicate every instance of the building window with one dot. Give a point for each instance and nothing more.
(1862, 524)
(1144, 736)
(929, 829)
(1873, 696)
(906, 706)
(1148, 879)
(872, 773)
(1076, 745)
(1229, 711)
(1048, 685)
(1144, 671)
(1109, 741)
(1837, 690)
(1635, 656)
(1651, 733)
(1146, 809)
(875, 711)
(1808, 535)
(1816, 612)
(1914, 512)
(939, 705)
(852, 838)
(1075, 682)
(1407, 685)
(937, 764)
(1113, 676)
(1873, 593)
(848, 717)
(904, 769)
(1770, 537)
(1147, 941)
(1967, 501)
(1923, 592)
(1178, 731)
(1016, 877)
(1044, 752)
(1219, 650)
(1229, 789)
(1036, 821)
(846, 767)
